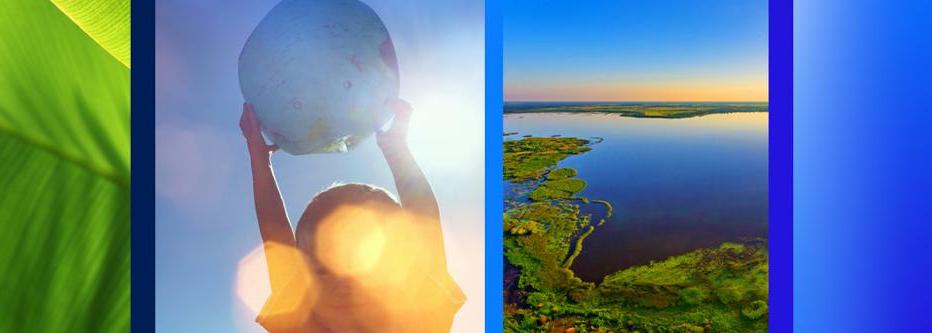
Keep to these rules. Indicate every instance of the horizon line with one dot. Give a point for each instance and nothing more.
(627, 101)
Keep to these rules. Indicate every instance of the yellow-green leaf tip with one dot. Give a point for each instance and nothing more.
(107, 22)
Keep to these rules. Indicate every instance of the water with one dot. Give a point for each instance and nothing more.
(676, 184)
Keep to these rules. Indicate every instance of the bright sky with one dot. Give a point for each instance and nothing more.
(644, 50)
(205, 221)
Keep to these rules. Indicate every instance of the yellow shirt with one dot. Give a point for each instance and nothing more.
(423, 303)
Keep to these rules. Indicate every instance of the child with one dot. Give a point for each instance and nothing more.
(393, 280)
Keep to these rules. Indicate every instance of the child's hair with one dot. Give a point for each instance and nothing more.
(334, 197)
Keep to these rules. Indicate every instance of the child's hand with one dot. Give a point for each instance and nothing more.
(249, 124)
(396, 135)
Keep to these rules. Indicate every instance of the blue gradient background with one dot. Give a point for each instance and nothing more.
(863, 193)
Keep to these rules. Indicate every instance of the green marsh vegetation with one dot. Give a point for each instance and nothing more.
(530, 158)
(562, 173)
(720, 289)
(558, 189)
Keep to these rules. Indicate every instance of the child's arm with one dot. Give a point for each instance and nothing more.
(418, 198)
(270, 209)
(414, 191)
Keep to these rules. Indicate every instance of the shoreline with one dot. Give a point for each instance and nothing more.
(662, 110)
(621, 114)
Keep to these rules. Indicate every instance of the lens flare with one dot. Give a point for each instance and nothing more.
(396, 261)
(385, 272)
(350, 241)
(252, 280)
(292, 300)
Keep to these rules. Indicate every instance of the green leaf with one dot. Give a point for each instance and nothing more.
(106, 21)
(61, 92)
(64, 248)
(64, 147)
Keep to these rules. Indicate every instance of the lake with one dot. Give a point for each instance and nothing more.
(676, 184)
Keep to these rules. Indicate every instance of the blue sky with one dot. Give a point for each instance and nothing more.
(635, 50)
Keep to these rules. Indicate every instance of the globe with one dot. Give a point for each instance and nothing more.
(318, 74)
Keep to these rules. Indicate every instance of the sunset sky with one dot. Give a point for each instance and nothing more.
(635, 50)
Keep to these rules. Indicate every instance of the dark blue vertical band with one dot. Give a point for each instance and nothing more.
(143, 167)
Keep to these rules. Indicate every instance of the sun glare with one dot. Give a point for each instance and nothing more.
(253, 287)
(395, 262)
(252, 280)
(350, 241)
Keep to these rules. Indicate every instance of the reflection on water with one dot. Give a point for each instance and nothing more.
(676, 184)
